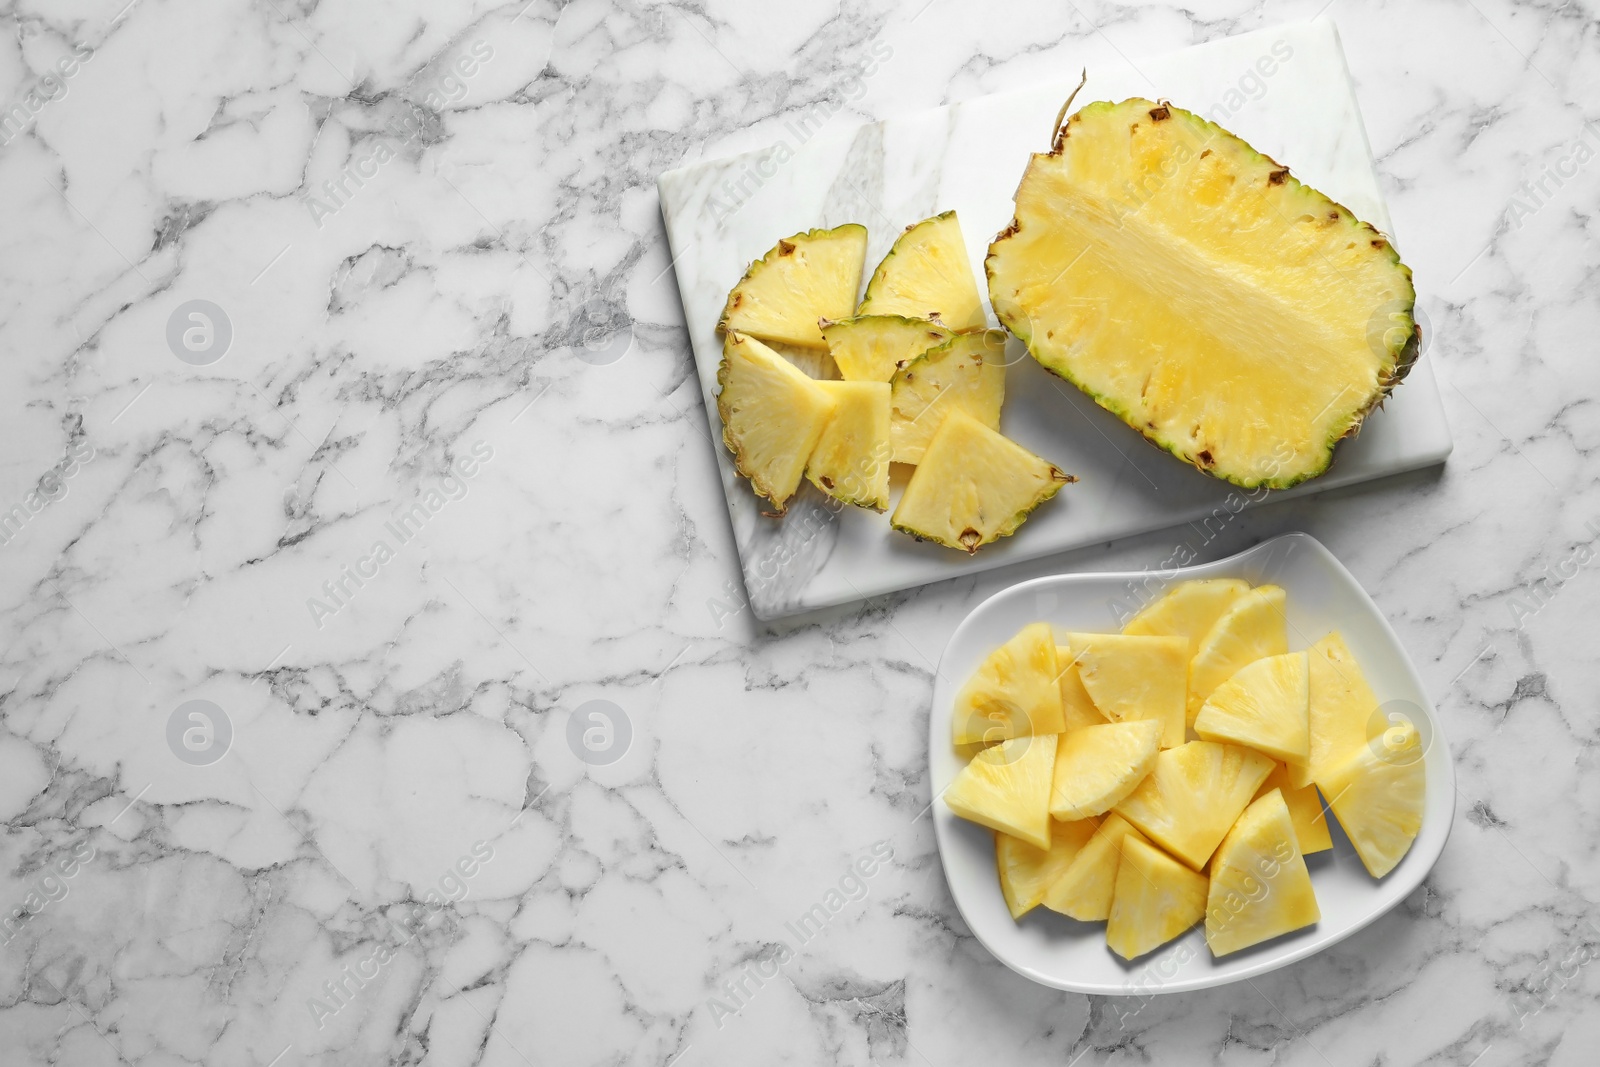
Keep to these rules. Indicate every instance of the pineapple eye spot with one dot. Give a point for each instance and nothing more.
(1277, 177)
(827, 482)
(1204, 456)
(970, 538)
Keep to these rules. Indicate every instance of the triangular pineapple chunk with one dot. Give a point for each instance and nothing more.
(1194, 794)
(870, 348)
(1253, 628)
(1305, 809)
(1188, 610)
(1341, 707)
(772, 416)
(804, 278)
(967, 372)
(1378, 793)
(1013, 693)
(1026, 872)
(973, 486)
(1006, 787)
(1263, 706)
(1099, 765)
(851, 460)
(926, 274)
(1077, 705)
(1156, 899)
(1136, 678)
(1260, 887)
(1085, 890)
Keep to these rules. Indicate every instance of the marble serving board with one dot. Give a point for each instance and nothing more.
(1286, 90)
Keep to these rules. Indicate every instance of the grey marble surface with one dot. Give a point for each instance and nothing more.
(430, 474)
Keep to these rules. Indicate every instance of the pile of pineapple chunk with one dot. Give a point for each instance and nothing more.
(814, 386)
(1170, 773)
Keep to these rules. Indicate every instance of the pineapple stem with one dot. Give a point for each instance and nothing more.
(1061, 116)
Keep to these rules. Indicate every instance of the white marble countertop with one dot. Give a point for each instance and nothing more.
(430, 473)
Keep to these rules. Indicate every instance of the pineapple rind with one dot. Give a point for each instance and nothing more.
(808, 404)
(1156, 899)
(1260, 888)
(870, 348)
(775, 324)
(955, 286)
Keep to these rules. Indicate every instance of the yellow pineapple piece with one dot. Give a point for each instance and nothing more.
(1026, 872)
(1253, 628)
(1305, 808)
(1076, 703)
(1193, 795)
(1378, 793)
(772, 416)
(1006, 787)
(1013, 693)
(927, 274)
(967, 373)
(1188, 610)
(851, 460)
(1135, 678)
(804, 278)
(871, 348)
(1156, 899)
(1260, 888)
(1263, 707)
(1341, 707)
(1097, 766)
(1085, 890)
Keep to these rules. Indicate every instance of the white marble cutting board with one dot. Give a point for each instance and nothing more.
(1285, 89)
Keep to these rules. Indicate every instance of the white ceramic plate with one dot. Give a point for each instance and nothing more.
(1067, 954)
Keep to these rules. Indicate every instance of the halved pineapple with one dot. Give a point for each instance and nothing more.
(927, 274)
(1188, 610)
(870, 348)
(804, 278)
(851, 460)
(1013, 693)
(1085, 890)
(1026, 872)
(1077, 705)
(1378, 792)
(1193, 795)
(1195, 289)
(1099, 765)
(1260, 887)
(1136, 678)
(1255, 627)
(973, 486)
(966, 373)
(1263, 706)
(1341, 706)
(1305, 809)
(1006, 787)
(772, 417)
(1156, 899)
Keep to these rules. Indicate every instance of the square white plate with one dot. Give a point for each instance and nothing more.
(722, 214)
(1067, 954)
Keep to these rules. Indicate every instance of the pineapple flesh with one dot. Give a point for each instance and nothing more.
(1156, 899)
(1260, 888)
(851, 459)
(1097, 766)
(1086, 888)
(1255, 627)
(1191, 798)
(1077, 705)
(1263, 706)
(871, 348)
(1006, 787)
(966, 373)
(927, 275)
(1341, 706)
(973, 486)
(1188, 610)
(1136, 678)
(810, 276)
(773, 415)
(1013, 693)
(1238, 319)
(1305, 810)
(1026, 872)
(1378, 792)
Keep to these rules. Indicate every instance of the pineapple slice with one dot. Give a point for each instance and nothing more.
(851, 460)
(966, 373)
(1341, 707)
(1099, 765)
(804, 278)
(1086, 888)
(1305, 809)
(1077, 705)
(927, 275)
(1026, 872)
(870, 348)
(1136, 678)
(1260, 887)
(1255, 627)
(1263, 707)
(772, 416)
(1238, 319)
(1013, 693)
(1378, 793)
(1188, 610)
(973, 486)
(1156, 899)
(1006, 787)
(1194, 794)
